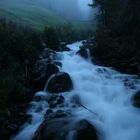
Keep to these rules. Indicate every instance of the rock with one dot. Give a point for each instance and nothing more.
(59, 128)
(85, 131)
(44, 68)
(54, 127)
(58, 98)
(129, 84)
(62, 46)
(83, 52)
(48, 112)
(89, 42)
(39, 96)
(51, 69)
(58, 63)
(136, 99)
(60, 82)
(44, 74)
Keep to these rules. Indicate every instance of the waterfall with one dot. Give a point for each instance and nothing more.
(105, 100)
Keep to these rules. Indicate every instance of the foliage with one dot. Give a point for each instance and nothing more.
(52, 36)
(118, 31)
(19, 47)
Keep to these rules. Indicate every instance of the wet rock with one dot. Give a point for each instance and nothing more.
(49, 111)
(53, 104)
(55, 100)
(58, 63)
(51, 69)
(44, 74)
(85, 131)
(89, 42)
(58, 98)
(39, 96)
(50, 128)
(60, 82)
(136, 100)
(44, 68)
(83, 52)
(129, 84)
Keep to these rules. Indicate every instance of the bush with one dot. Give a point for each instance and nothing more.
(19, 47)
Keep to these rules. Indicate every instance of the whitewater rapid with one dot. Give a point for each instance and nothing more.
(102, 91)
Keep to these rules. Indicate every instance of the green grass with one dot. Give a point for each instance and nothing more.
(38, 18)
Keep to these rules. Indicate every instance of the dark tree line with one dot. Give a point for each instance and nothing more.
(118, 32)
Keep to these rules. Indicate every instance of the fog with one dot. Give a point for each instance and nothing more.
(72, 9)
(68, 9)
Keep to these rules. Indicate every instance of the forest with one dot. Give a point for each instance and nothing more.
(117, 34)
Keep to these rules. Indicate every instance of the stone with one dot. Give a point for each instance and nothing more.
(60, 126)
(55, 100)
(44, 74)
(85, 131)
(60, 82)
(83, 52)
(54, 127)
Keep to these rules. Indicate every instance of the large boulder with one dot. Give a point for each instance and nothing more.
(60, 124)
(54, 127)
(60, 82)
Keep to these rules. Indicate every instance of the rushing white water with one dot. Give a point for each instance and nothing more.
(37, 111)
(102, 91)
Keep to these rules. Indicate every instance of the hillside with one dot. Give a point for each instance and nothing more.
(37, 14)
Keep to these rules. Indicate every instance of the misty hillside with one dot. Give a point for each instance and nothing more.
(39, 13)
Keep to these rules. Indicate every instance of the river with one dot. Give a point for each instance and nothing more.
(102, 91)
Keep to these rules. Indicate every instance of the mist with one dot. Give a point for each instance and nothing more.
(71, 9)
(68, 9)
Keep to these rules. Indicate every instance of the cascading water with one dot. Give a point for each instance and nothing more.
(105, 100)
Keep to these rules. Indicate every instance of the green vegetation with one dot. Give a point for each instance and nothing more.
(118, 34)
(52, 36)
(20, 47)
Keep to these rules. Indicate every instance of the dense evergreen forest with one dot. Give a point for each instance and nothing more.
(118, 34)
